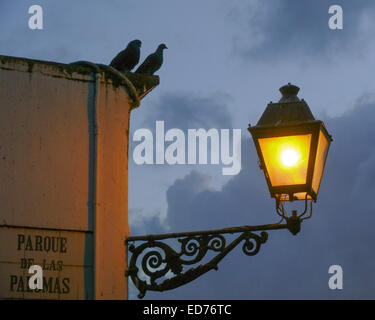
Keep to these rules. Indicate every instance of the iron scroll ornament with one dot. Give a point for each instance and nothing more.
(163, 265)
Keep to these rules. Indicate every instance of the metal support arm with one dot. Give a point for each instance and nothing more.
(161, 265)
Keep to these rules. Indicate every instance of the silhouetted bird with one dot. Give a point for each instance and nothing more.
(153, 62)
(128, 58)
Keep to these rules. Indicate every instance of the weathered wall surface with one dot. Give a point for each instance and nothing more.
(64, 181)
(65, 256)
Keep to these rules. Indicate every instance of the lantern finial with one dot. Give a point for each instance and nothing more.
(289, 93)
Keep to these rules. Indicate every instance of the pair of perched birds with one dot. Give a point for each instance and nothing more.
(128, 58)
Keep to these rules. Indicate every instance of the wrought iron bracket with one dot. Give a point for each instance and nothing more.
(158, 266)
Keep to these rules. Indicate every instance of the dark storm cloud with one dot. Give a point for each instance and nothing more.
(300, 28)
(340, 231)
(190, 111)
(186, 111)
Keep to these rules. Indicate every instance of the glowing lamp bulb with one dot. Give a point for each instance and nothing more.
(290, 157)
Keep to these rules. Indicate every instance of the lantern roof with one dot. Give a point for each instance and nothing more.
(289, 110)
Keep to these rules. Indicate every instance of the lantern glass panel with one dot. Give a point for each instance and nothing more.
(321, 156)
(286, 158)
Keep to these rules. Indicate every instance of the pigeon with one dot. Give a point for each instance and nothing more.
(153, 62)
(128, 58)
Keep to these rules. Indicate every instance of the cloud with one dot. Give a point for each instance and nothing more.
(274, 29)
(142, 224)
(186, 110)
(290, 267)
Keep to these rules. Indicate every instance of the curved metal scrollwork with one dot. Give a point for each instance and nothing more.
(252, 243)
(161, 266)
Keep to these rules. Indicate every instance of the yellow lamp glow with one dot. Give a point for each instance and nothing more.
(290, 157)
(286, 158)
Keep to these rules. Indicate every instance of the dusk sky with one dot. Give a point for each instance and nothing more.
(225, 62)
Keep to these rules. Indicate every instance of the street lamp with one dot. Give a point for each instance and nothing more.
(292, 148)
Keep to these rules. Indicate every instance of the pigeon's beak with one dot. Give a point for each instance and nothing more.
(166, 47)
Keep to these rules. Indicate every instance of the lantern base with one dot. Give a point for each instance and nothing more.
(294, 223)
